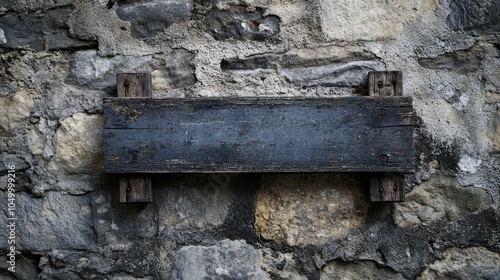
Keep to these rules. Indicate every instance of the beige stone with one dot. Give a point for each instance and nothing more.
(440, 197)
(14, 109)
(372, 19)
(309, 208)
(78, 143)
(339, 270)
(468, 263)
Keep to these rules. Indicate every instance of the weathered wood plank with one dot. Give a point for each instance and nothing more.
(134, 188)
(348, 134)
(386, 187)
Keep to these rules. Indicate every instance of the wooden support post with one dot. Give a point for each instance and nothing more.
(386, 187)
(134, 188)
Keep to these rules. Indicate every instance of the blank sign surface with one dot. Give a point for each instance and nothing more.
(347, 134)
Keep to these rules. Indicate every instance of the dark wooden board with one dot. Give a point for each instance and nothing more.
(347, 134)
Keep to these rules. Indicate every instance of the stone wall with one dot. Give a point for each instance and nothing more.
(58, 59)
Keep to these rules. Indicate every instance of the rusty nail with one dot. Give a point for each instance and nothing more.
(126, 84)
(381, 190)
(128, 189)
(384, 158)
(395, 188)
(133, 114)
(380, 84)
(382, 112)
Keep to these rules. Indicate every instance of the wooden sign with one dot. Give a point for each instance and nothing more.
(344, 134)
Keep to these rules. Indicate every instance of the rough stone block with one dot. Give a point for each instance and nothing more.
(24, 6)
(328, 66)
(225, 260)
(78, 143)
(477, 17)
(15, 109)
(44, 31)
(309, 208)
(467, 263)
(462, 62)
(199, 201)
(152, 17)
(370, 20)
(172, 70)
(440, 197)
(56, 221)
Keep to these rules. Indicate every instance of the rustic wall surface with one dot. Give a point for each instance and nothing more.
(59, 58)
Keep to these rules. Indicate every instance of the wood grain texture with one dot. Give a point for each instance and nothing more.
(386, 187)
(134, 188)
(348, 134)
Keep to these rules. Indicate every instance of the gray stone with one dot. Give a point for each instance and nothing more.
(339, 270)
(56, 221)
(44, 31)
(119, 225)
(351, 74)
(300, 58)
(440, 197)
(25, 268)
(238, 24)
(468, 263)
(493, 131)
(327, 66)
(197, 201)
(462, 62)
(171, 70)
(151, 18)
(138, 259)
(24, 6)
(19, 163)
(225, 260)
(96, 72)
(309, 209)
(477, 17)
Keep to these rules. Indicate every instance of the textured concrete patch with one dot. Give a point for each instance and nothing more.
(225, 260)
(468, 263)
(440, 197)
(370, 20)
(94, 22)
(309, 209)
